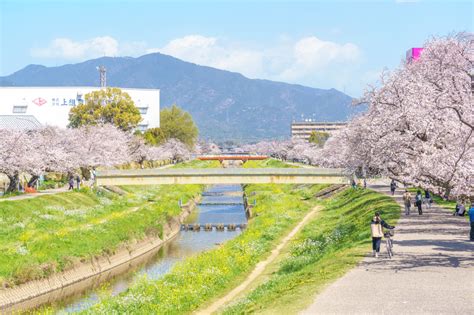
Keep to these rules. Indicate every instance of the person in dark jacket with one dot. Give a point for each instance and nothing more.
(71, 182)
(393, 186)
(376, 229)
(78, 181)
(353, 183)
(419, 202)
(428, 200)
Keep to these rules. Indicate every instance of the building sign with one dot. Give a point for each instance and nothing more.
(39, 101)
(56, 101)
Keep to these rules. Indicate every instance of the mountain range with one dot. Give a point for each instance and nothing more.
(225, 105)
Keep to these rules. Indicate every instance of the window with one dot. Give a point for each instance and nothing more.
(19, 109)
(79, 99)
(143, 110)
(142, 128)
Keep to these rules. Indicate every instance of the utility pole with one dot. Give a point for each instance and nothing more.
(103, 76)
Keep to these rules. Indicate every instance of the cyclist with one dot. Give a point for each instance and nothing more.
(376, 228)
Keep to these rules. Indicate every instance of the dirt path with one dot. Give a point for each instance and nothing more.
(259, 268)
(432, 271)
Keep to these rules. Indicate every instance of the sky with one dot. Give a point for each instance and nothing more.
(323, 44)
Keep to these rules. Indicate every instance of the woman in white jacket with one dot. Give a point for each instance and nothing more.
(376, 229)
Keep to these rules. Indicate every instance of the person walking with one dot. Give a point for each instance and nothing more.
(71, 182)
(365, 184)
(471, 219)
(376, 230)
(419, 201)
(407, 201)
(428, 200)
(78, 181)
(393, 186)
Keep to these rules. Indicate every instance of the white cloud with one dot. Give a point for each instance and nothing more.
(312, 55)
(309, 60)
(66, 48)
(210, 51)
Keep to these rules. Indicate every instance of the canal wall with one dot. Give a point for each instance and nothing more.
(96, 269)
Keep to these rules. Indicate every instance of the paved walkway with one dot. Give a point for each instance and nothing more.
(432, 271)
(37, 194)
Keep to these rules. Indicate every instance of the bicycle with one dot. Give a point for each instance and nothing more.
(388, 242)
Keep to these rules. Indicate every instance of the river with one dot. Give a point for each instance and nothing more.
(219, 204)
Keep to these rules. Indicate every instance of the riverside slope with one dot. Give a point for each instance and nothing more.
(35, 293)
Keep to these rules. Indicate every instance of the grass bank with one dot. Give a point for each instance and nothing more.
(49, 234)
(267, 163)
(324, 250)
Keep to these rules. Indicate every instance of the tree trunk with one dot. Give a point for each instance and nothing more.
(14, 181)
(33, 180)
(447, 192)
(86, 174)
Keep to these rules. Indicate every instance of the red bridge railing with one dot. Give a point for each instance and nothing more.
(232, 157)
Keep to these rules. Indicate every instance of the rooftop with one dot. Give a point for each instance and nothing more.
(19, 122)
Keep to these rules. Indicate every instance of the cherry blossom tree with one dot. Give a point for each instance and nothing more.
(296, 149)
(138, 150)
(103, 145)
(17, 155)
(418, 128)
(54, 150)
(209, 148)
(176, 150)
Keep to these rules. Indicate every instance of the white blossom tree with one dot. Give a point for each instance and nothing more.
(207, 148)
(418, 128)
(17, 155)
(176, 150)
(104, 145)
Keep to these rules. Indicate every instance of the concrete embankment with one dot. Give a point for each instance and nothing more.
(95, 270)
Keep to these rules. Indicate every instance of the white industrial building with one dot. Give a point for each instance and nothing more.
(303, 129)
(50, 105)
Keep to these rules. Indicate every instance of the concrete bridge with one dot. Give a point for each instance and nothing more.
(222, 176)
